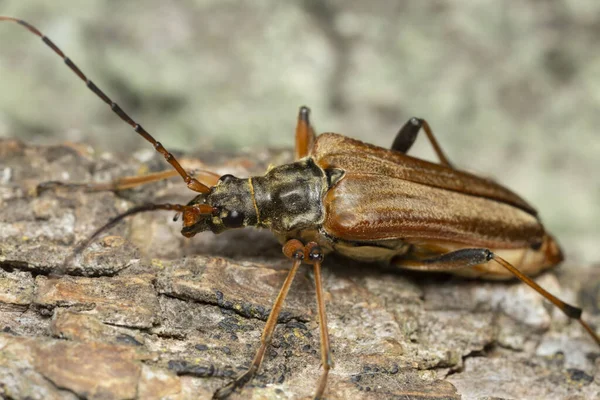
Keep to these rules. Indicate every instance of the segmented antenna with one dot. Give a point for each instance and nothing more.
(191, 182)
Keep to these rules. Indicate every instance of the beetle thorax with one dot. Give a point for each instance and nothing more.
(289, 197)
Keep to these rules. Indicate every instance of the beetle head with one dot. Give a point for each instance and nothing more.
(233, 207)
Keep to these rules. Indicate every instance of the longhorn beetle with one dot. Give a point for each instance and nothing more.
(361, 201)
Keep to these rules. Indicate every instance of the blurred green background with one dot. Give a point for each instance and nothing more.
(512, 89)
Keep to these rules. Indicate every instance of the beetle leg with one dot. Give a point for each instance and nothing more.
(569, 310)
(466, 258)
(459, 259)
(128, 182)
(315, 256)
(408, 134)
(294, 250)
(305, 134)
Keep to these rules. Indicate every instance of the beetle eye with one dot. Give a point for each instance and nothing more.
(233, 219)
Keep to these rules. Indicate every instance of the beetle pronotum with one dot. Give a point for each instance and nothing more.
(364, 202)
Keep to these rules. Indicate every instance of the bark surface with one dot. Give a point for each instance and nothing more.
(145, 313)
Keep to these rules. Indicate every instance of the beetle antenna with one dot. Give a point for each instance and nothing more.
(190, 181)
(197, 209)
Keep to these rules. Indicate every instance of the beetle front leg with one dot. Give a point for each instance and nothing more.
(408, 134)
(465, 258)
(311, 254)
(315, 256)
(292, 249)
(129, 182)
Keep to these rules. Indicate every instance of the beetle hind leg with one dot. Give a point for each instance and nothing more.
(465, 258)
(407, 135)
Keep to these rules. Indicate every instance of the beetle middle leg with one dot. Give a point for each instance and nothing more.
(311, 254)
(465, 258)
(305, 134)
(407, 135)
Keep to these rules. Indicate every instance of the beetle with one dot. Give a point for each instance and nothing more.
(362, 201)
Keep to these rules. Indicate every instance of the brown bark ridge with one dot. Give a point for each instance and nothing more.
(144, 313)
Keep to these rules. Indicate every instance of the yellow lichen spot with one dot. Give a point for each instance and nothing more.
(143, 170)
(25, 238)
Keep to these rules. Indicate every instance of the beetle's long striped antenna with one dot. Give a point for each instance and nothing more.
(191, 182)
(197, 210)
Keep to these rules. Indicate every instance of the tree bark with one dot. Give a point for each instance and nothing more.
(145, 313)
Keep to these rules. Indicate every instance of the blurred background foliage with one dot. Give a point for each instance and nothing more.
(511, 88)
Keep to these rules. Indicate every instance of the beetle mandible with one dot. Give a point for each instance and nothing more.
(363, 202)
